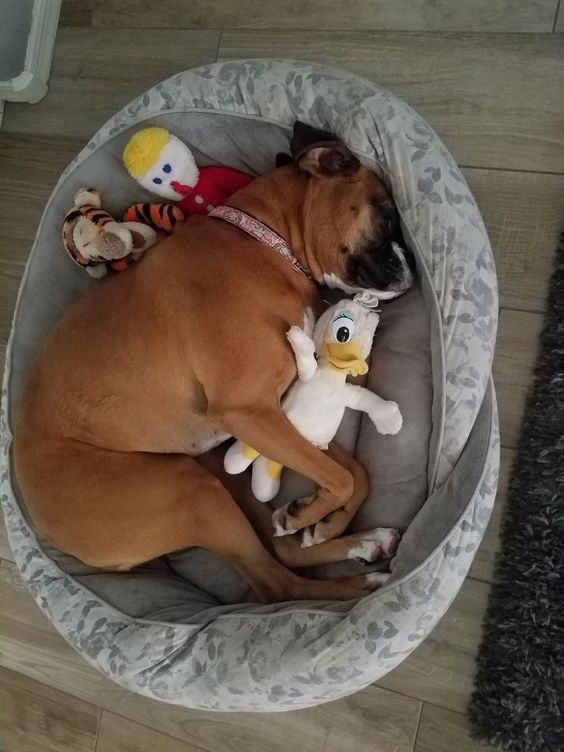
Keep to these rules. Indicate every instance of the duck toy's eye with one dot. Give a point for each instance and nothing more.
(167, 168)
(343, 328)
(158, 181)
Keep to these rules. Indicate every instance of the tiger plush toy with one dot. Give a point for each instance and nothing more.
(97, 242)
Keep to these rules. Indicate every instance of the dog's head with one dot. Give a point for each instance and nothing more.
(350, 221)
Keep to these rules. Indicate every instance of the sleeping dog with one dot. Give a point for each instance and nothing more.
(193, 350)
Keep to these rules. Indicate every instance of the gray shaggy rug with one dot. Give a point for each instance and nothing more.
(518, 702)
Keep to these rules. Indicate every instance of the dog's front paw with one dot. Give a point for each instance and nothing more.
(284, 519)
(388, 419)
(373, 545)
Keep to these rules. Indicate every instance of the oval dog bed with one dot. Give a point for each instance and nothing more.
(184, 628)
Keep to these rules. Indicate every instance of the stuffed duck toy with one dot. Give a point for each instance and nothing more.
(316, 402)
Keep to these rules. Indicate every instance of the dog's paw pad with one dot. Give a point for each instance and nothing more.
(307, 537)
(377, 544)
(375, 580)
(284, 519)
(280, 523)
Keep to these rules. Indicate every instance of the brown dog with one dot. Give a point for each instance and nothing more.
(187, 348)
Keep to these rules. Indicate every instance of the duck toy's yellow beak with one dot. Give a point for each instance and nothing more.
(345, 357)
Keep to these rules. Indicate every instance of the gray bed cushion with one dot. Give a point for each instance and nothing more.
(283, 655)
(400, 370)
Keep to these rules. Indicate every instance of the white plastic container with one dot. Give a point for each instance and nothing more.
(27, 38)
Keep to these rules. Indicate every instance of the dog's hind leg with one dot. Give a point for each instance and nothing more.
(162, 503)
(335, 523)
(292, 550)
(366, 547)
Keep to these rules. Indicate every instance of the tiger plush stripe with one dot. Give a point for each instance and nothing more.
(158, 216)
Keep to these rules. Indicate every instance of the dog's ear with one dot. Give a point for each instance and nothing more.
(321, 153)
(283, 159)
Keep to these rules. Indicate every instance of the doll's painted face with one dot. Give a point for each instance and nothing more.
(174, 173)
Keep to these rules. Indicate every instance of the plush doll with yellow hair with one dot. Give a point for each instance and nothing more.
(161, 163)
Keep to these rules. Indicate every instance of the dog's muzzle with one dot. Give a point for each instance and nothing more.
(384, 269)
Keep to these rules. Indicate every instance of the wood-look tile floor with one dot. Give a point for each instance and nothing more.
(488, 75)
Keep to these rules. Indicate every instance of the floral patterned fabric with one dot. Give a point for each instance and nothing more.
(291, 656)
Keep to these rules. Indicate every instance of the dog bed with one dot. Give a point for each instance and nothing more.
(185, 628)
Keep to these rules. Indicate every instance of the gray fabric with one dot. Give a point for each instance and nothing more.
(443, 508)
(397, 465)
(245, 656)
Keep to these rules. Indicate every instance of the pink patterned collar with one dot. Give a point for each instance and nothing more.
(260, 232)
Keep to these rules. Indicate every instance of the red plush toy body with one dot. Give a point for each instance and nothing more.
(213, 189)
